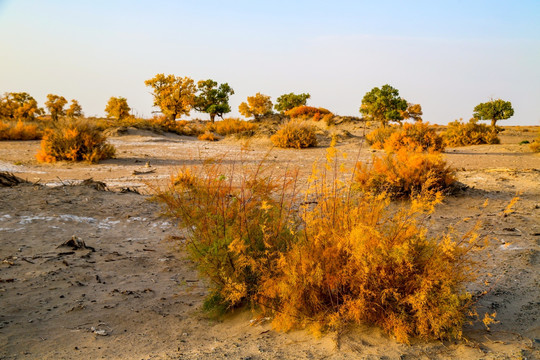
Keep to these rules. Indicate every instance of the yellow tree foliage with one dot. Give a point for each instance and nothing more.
(55, 104)
(256, 106)
(174, 95)
(19, 106)
(118, 108)
(413, 111)
(74, 110)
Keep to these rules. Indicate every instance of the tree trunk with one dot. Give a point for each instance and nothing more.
(493, 122)
(212, 117)
(173, 117)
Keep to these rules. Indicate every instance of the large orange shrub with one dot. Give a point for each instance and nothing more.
(415, 136)
(405, 173)
(74, 140)
(339, 257)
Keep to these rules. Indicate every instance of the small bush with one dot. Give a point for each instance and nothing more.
(74, 140)
(472, 133)
(307, 112)
(208, 136)
(378, 137)
(405, 173)
(295, 134)
(19, 131)
(415, 136)
(231, 126)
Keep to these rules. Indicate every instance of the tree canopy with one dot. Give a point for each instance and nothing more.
(383, 105)
(74, 110)
(118, 108)
(413, 111)
(256, 106)
(19, 106)
(494, 110)
(55, 104)
(289, 101)
(212, 99)
(174, 95)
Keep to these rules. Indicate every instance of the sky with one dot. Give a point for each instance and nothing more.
(447, 56)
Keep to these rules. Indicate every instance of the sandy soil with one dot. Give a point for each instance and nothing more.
(133, 295)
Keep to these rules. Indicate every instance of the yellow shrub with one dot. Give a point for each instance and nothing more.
(74, 140)
(207, 136)
(360, 263)
(404, 173)
(343, 257)
(378, 137)
(356, 261)
(307, 112)
(415, 136)
(231, 126)
(472, 133)
(295, 134)
(19, 131)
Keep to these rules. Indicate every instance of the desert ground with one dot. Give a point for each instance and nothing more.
(131, 293)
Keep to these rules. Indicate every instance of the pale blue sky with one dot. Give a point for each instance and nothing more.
(446, 55)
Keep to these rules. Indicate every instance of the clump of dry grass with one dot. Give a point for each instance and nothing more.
(295, 134)
(74, 140)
